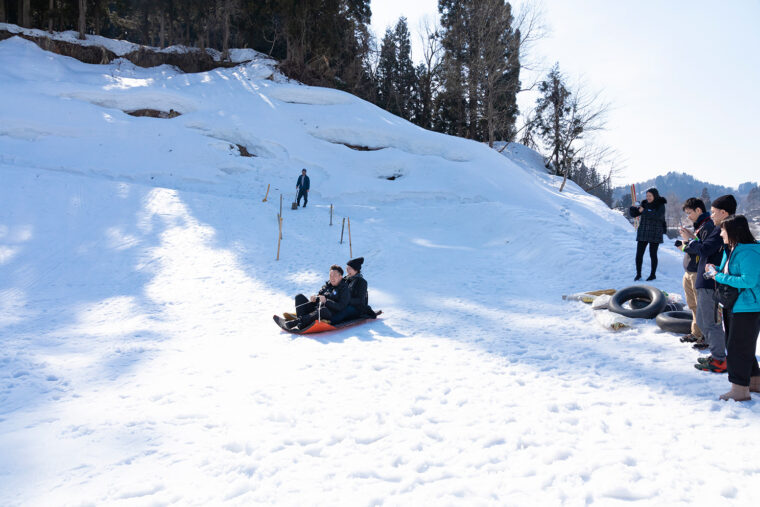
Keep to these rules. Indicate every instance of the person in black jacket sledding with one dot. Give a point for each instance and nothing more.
(332, 298)
(651, 229)
(357, 306)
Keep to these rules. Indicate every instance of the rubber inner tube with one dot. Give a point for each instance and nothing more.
(639, 303)
(654, 295)
(675, 322)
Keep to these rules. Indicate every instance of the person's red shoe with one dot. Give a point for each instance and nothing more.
(713, 365)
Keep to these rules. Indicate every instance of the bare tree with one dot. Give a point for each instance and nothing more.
(588, 115)
(431, 66)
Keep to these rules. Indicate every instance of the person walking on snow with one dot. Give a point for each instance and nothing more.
(650, 231)
(303, 185)
(740, 270)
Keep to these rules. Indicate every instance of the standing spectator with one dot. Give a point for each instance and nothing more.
(708, 245)
(651, 229)
(740, 269)
(303, 185)
(695, 212)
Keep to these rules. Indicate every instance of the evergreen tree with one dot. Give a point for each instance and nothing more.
(706, 199)
(406, 78)
(386, 74)
(554, 121)
(480, 70)
(752, 203)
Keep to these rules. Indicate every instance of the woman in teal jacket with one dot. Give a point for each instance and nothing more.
(740, 268)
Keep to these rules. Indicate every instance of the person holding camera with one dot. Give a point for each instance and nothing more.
(739, 297)
(708, 245)
(695, 211)
(650, 231)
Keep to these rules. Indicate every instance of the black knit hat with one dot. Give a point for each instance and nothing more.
(725, 202)
(356, 263)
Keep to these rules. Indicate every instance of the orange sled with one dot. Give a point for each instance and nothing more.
(320, 326)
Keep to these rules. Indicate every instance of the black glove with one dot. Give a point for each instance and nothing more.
(679, 243)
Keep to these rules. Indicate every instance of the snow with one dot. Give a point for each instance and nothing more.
(122, 47)
(138, 279)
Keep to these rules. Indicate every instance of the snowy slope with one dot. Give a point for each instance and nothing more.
(138, 279)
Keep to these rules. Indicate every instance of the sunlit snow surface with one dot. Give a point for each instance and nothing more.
(140, 365)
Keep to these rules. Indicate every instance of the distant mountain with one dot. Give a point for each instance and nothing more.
(683, 186)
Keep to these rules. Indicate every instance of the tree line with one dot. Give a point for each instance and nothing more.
(466, 83)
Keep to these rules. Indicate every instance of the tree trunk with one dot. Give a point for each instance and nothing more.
(26, 13)
(226, 31)
(51, 9)
(161, 37)
(2, 11)
(82, 18)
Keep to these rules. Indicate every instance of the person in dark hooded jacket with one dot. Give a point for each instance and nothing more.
(358, 305)
(651, 228)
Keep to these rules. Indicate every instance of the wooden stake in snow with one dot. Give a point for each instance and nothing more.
(265, 197)
(331, 215)
(342, 228)
(350, 248)
(279, 237)
(280, 215)
(634, 203)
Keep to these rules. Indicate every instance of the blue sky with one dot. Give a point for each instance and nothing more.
(682, 78)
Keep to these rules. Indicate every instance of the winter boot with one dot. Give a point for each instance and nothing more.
(754, 384)
(714, 366)
(737, 393)
(651, 277)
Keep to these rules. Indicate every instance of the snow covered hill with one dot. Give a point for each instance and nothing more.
(138, 279)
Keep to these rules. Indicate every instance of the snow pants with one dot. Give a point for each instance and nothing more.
(348, 313)
(709, 324)
(308, 312)
(742, 329)
(691, 300)
(305, 195)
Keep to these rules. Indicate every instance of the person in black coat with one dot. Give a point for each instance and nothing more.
(303, 184)
(358, 305)
(651, 228)
(332, 298)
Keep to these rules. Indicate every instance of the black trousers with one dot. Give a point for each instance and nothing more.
(308, 312)
(305, 195)
(741, 343)
(640, 247)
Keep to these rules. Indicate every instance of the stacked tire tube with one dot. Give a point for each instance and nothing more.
(653, 295)
(675, 322)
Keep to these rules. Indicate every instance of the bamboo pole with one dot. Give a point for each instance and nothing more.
(350, 247)
(279, 238)
(331, 215)
(342, 227)
(280, 215)
(265, 197)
